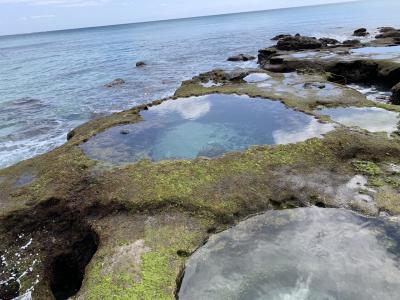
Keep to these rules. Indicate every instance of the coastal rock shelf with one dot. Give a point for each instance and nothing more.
(298, 254)
(203, 126)
(96, 218)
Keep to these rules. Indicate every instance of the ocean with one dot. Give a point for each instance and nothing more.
(52, 82)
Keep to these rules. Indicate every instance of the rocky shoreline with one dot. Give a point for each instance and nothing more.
(76, 227)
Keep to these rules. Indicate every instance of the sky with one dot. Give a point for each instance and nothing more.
(22, 16)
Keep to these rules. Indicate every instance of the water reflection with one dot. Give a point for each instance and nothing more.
(300, 254)
(372, 119)
(203, 126)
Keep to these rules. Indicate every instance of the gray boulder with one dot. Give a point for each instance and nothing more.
(293, 43)
(396, 94)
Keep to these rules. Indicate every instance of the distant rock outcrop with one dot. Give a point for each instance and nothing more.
(115, 82)
(361, 32)
(140, 64)
(298, 42)
(241, 57)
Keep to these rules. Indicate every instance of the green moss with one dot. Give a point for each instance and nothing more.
(367, 168)
(394, 181)
(159, 268)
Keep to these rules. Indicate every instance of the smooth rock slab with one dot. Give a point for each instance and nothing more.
(307, 253)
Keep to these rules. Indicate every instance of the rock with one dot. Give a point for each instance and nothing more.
(266, 54)
(386, 29)
(389, 34)
(328, 41)
(241, 57)
(361, 32)
(298, 43)
(276, 61)
(140, 64)
(351, 43)
(115, 82)
(124, 131)
(9, 289)
(280, 36)
(396, 94)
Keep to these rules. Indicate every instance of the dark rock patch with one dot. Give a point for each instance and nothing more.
(361, 32)
(280, 36)
(140, 64)
(388, 33)
(241, 57)
(266, 54)
(328, 41)
(351, 43)
(67, 270)
(386, 29)
(298, 43)
(115, 82)
(9, 290)
(396, 94)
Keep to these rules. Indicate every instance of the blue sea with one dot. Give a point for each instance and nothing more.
(52, 82)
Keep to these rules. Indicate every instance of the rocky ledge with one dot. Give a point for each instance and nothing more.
(73, 227)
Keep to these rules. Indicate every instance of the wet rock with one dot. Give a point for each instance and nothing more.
(389, 34)
(266, 54)
(386, 29)
(241, 57)
(280, 36)
(124, 131)
(351, 43)
(328, 41)
(361, 32)
(298, 43)
(396, 94)
(115, 82)
(9, 289)
(140, 64)
(276, 61)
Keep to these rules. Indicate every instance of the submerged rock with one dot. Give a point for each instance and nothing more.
(298, 43)
(351, 43)
(140, 64)
(329, 41)
(361, 32)
(115, 82)
(388, 32)
(396, 94)
(241, 57)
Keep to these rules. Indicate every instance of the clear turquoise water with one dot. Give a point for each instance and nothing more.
(206, 126)
(52, 82)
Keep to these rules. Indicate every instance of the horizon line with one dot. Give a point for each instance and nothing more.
(178, 19)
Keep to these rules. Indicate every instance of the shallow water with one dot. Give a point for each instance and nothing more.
(394, 50)
(66, 71)
(204, 126)
(374, 93)
(300, 254)
(256, 77)
(372, 119)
